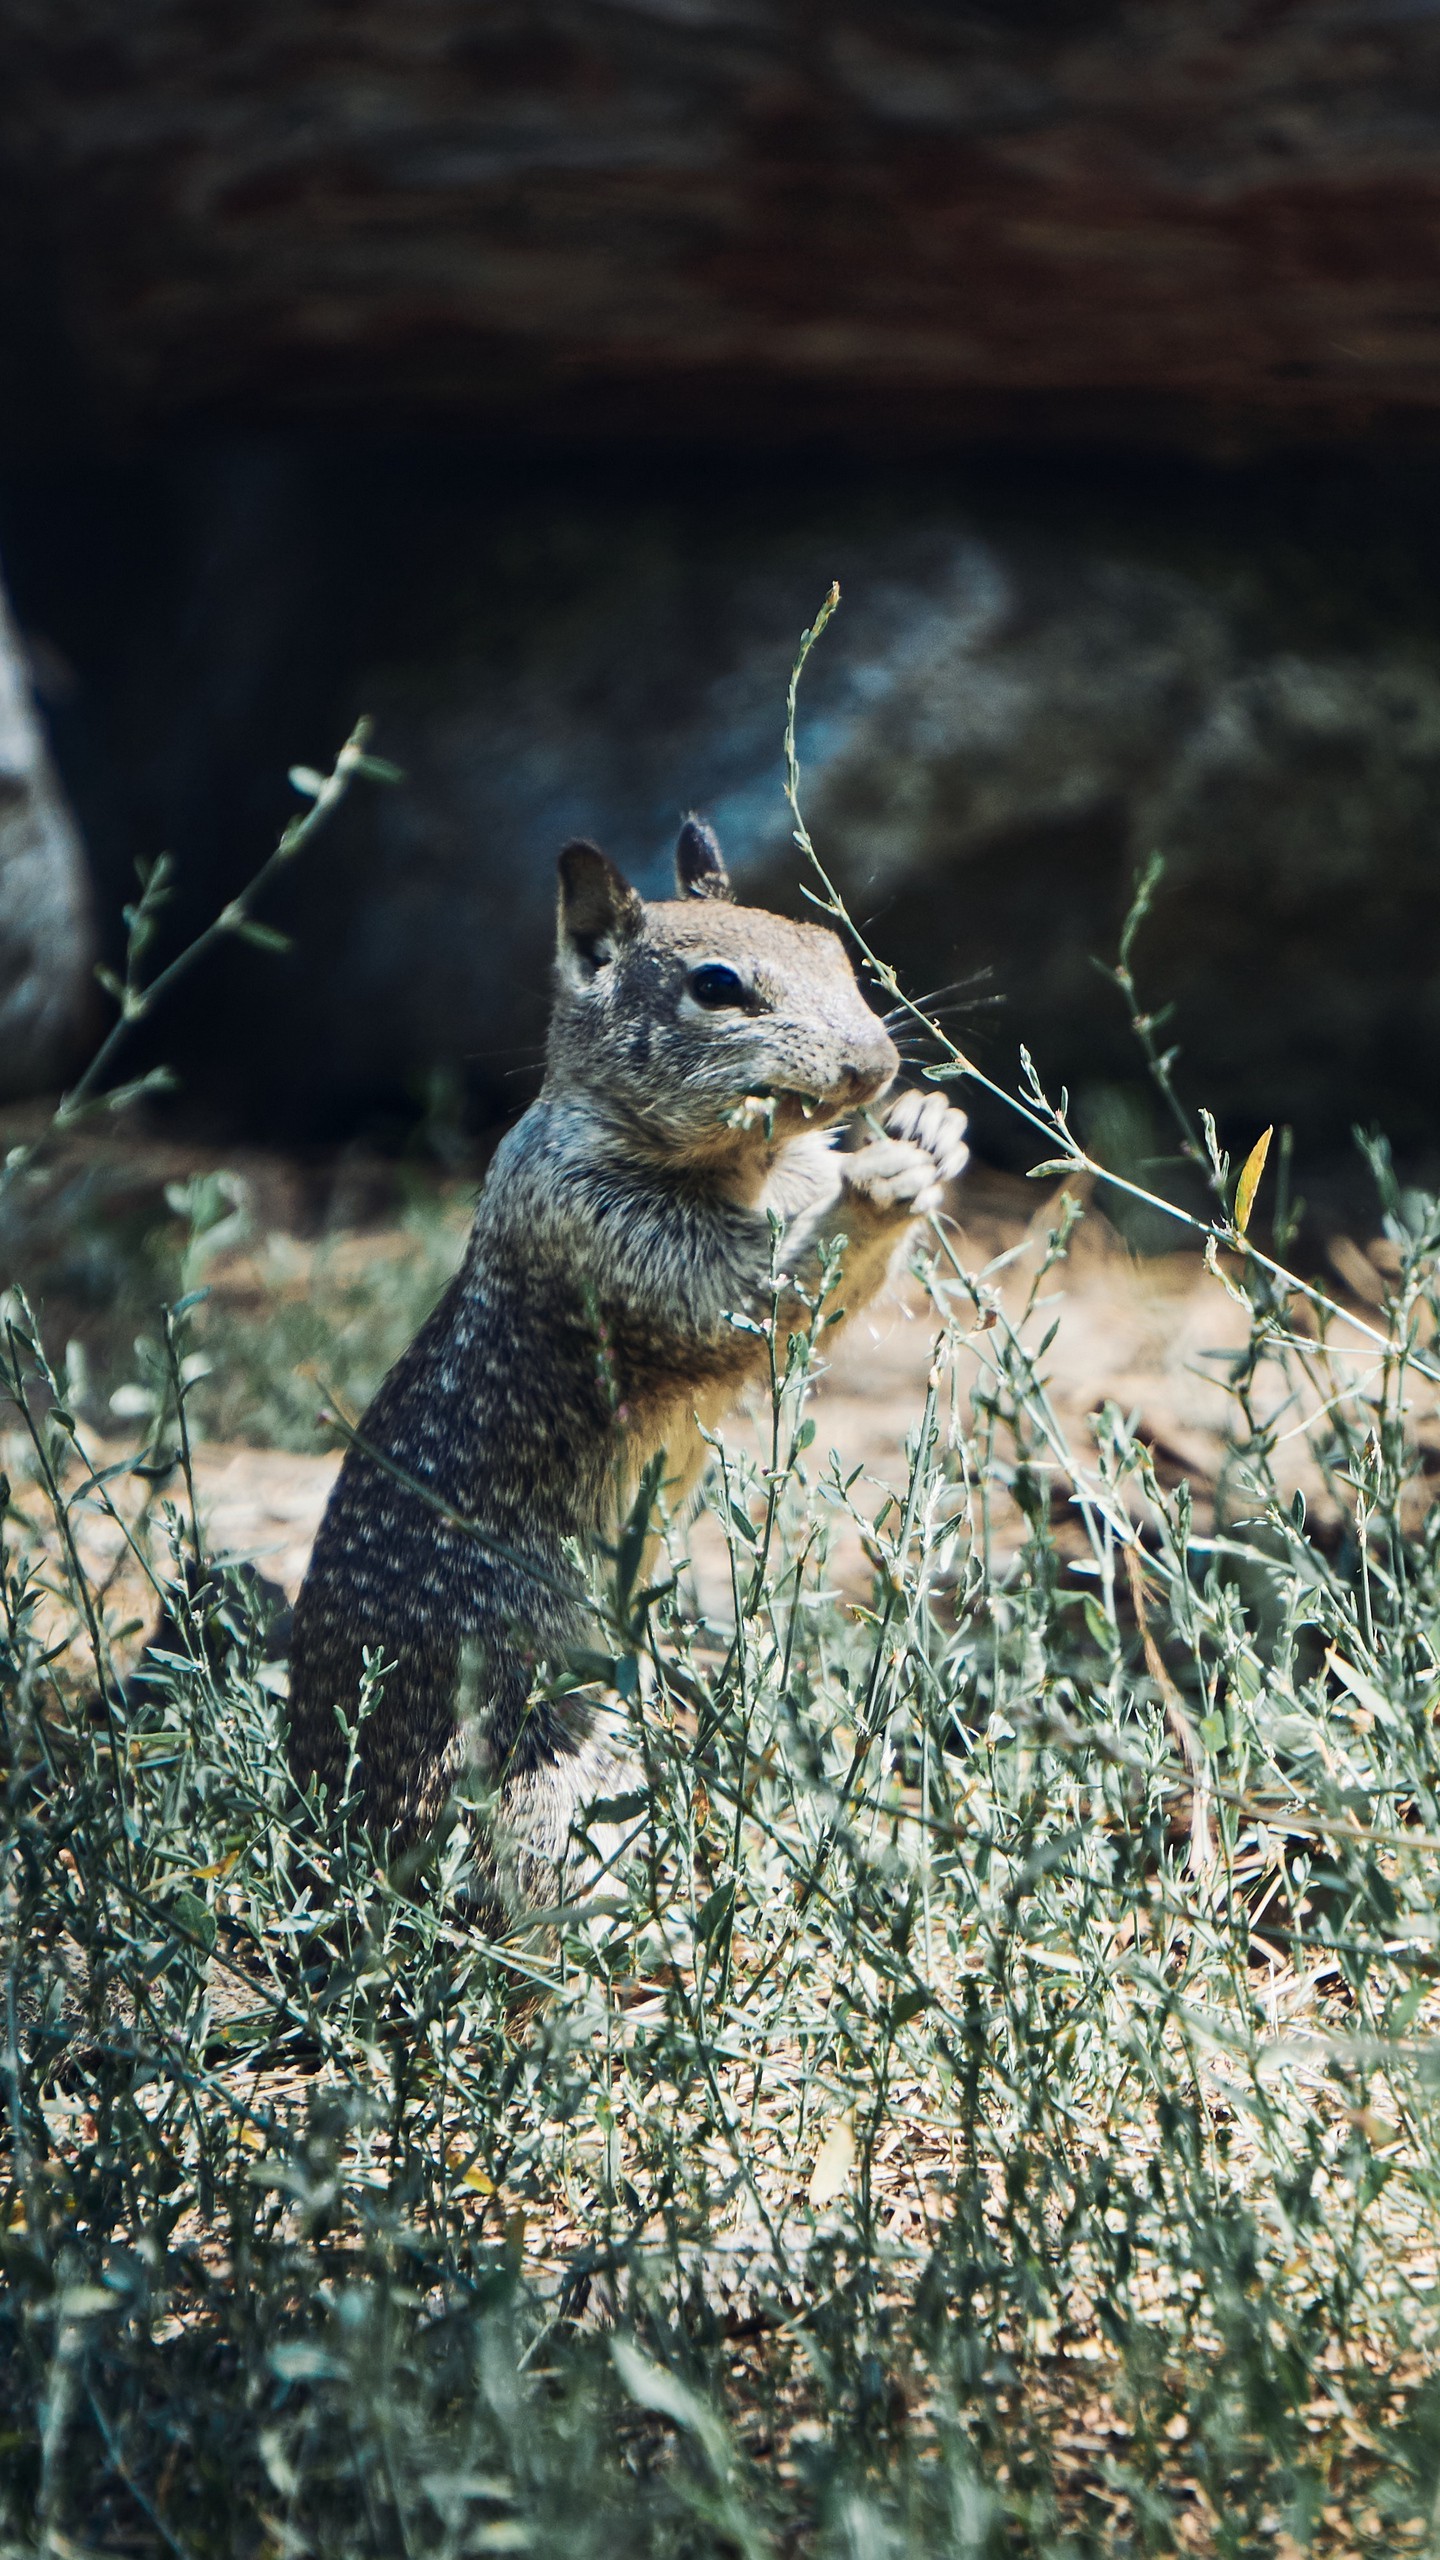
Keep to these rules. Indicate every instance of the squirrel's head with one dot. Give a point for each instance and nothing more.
(703, 1025)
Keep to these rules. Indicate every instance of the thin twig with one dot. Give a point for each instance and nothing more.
(1202, 1847)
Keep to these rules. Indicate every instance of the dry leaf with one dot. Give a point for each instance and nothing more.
(834, 2162)
(220, 1867)
(1249, 1182)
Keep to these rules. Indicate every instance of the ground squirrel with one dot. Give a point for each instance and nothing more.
(702, 1057)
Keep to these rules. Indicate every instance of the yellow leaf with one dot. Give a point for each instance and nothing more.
(469, 2171)
(834, 2162)
(1249, 1182)
(221, 1867)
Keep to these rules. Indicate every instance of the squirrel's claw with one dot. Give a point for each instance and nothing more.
(904, 1173)
(929, 1121)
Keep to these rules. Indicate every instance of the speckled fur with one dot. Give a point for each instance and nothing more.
(623, 1221)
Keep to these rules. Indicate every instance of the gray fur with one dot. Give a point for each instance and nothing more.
(623, 1221)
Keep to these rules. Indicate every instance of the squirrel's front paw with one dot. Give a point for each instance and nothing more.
(904, 1173)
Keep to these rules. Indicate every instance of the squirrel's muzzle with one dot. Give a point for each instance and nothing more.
(866, 1068)
(863, 1082)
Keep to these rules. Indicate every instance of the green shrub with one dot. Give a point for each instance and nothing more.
(991, 2107)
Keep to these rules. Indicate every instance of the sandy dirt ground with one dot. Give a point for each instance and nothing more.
(1154, 1336)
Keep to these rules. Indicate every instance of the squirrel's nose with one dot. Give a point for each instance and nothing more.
(865, 1077)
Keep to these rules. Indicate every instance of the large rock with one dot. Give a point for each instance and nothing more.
(1049, 719)
(710, 217)
(1031, 684)
(995, 733)
(46, 945)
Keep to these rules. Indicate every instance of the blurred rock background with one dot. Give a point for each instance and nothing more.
(524, 374)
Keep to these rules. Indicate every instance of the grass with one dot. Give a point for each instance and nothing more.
(304, 1289)
(992, 2108)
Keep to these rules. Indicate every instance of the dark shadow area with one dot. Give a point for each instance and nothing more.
(1043, 668)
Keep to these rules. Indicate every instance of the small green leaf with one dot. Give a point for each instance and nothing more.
(195, 1917)
(305, 779)
(618, 1808)
(83, 2301)
(651, 2387)
(155, 1470)
(909, 2005)
(592, 1666)
(1097, 1622)
(120, 1096)
(265, 937)
(132, 1403)
(299, 2360)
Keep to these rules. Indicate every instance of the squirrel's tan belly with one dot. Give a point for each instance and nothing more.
(677, 1424)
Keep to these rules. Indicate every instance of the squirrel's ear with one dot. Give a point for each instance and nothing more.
(598, 910)
(699, 863)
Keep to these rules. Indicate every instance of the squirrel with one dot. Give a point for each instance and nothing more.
(612, 1306)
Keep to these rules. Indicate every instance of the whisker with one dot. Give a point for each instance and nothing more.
(954, 987)
(966, 1005)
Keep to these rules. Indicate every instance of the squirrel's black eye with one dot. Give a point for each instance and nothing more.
(715, 985)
